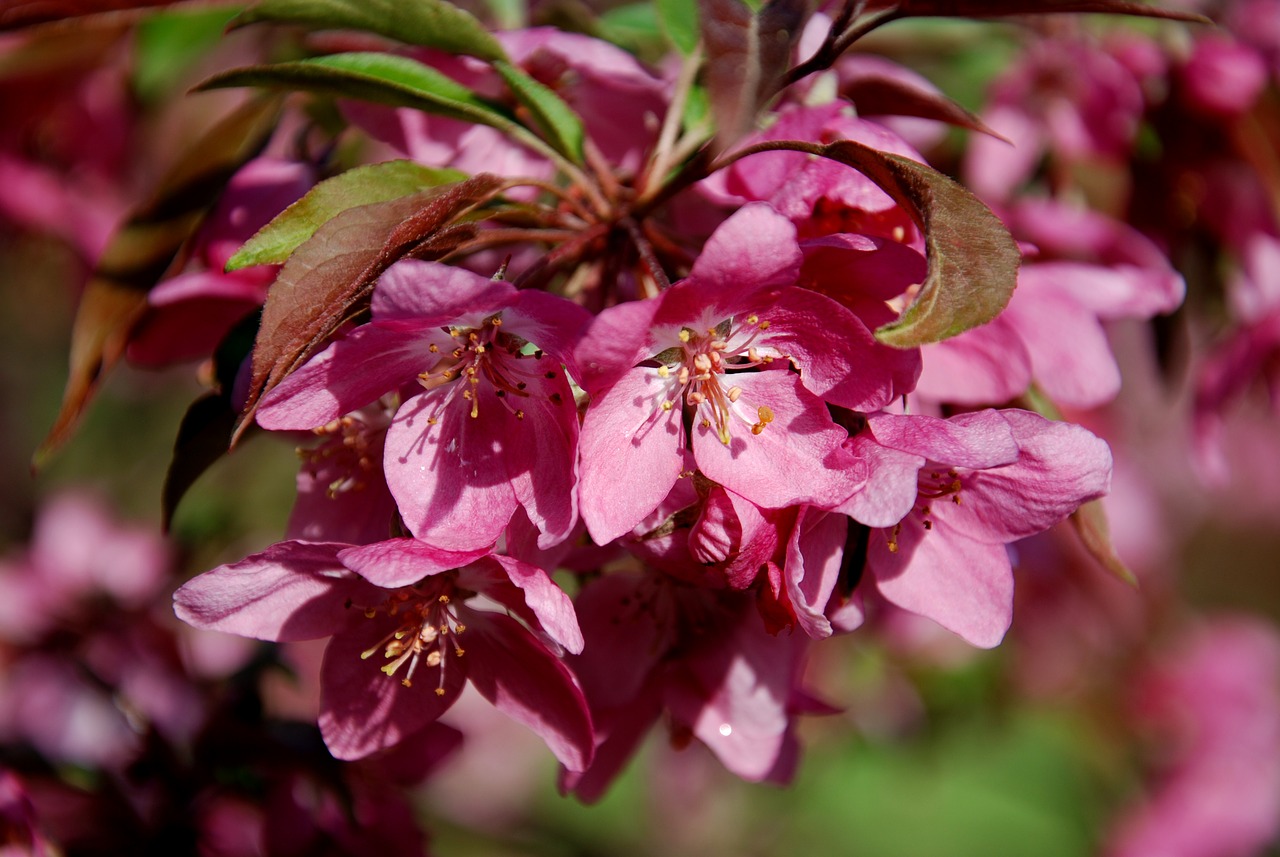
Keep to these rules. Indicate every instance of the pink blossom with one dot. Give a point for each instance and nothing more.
(493, 426)
(1214, 705)
(404, 640)
(703, 656)
(946, 496)
(765, 435)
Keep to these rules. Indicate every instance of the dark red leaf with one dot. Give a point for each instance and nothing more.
(747, 56)
(23, 13)
(881, 95)
(1001, 8)
(203, 438)
(329, 277)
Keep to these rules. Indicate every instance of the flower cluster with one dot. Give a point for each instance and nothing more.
(732, 465)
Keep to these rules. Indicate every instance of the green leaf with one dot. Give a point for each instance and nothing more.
(360, 186)
(431, 23)
(679, 20)
(384, 78)
(973, 261)
(556, 120)
(169, 43)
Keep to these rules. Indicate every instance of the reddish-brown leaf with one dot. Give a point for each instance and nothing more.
(144, 248)
(23, 13)
(747, 55)
(882, 95)
(330, 276)
(1001, 8)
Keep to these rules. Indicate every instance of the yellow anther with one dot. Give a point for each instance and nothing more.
(735, 393)
(685, 334)
(753, 319)
(664, 372)
(434, 349)
(666, 406)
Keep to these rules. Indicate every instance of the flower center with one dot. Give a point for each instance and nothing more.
(507, 363)
(702, 367)
(934, 484)
(348, 449)
(427, 632)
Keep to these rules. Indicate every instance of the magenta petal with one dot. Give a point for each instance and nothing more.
(963, 585)
(542, 460)
(437, 294)
(838, 358)
(1070, 355)
(976, 440)
(403, 562)
(547, 605)
(550, 322)
(290, 591)
(372, 360)
(624, 642)
(792, 461)
(814, 553)
(362, 709)
(614, 343)
(755, 248)
(527, 683)
(1059, 466)
(450, 479)
(623, 728)
(892, 483)
(734, 696)
(982, 366)
(631, 453)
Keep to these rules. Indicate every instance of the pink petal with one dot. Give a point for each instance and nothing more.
(542, 459)
(983, 366)
(546, 604)
(290, 591)
(963, 585)
(631, 453)
(814, 555)
(734, 696)
(362, 709)
(372, 360)
(839, 360)
(524, 681)
(1070, 356)
(892, 483)
(795, 459)
(1059, 466)
(754, 249)
(975, 440)
(436, 294)
(450, 479)
(403, 562)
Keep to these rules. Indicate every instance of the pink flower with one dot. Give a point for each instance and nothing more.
(404, 640)
(492, 426)
(706, 367)
(946, 496)
(703, 656)
(1215, 708)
